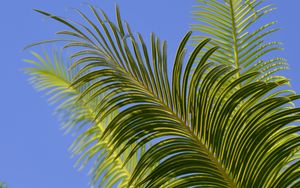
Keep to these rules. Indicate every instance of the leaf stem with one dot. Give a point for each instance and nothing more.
(234, 36)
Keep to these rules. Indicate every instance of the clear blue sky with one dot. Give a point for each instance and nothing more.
(33, 151)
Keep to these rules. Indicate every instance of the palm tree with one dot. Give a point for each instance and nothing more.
(207, 124)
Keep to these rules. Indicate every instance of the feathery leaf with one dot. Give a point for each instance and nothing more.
(232, 25)
(51, 75)
(209, 127)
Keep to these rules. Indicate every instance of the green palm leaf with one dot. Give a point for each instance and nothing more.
(232, 25)
(52, 76)
(209, 126)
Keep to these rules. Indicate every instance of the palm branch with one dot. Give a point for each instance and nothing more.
(232, 25)
(209, 125)
(51, 75)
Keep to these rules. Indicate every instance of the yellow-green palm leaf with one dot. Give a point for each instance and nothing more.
(233, 25)
(51, 75)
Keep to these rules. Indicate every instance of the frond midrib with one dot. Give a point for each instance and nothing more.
(210, 155)
(234, 36)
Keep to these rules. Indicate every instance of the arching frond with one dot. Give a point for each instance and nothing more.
(51, 75)
(209, 127)
(232, 25)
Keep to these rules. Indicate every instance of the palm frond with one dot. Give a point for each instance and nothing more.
(207, 129)
(232, 25)
(51, 75)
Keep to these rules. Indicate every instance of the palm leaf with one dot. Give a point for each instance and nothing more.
(207, 129)
(232, 25)
(52, 76)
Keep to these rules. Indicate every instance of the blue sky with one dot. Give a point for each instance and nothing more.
(34, 152)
